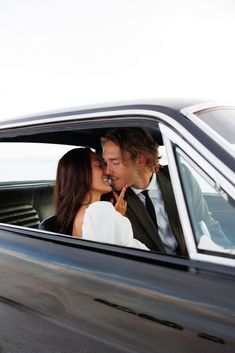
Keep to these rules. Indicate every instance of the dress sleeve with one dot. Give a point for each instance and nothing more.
(103, 223)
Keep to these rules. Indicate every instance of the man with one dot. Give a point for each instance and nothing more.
(131, 158)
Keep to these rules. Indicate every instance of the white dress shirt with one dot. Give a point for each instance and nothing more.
(164, 228)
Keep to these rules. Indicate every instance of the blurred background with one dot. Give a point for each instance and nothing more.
(66, 53)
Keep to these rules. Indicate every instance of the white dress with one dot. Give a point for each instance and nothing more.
(104, 224)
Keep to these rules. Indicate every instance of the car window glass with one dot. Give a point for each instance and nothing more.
(30, 161)
(221, 120)
(212, 216)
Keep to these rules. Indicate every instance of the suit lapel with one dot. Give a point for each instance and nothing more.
(166, 190)
(136, 208)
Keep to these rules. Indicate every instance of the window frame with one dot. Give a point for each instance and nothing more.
(148, 122)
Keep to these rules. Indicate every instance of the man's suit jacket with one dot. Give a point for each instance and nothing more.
(142, 224)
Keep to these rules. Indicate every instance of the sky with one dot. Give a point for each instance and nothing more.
(58, 54)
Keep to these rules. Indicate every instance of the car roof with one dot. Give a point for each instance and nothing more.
(85, 125)
(161, 104)
(36, 127)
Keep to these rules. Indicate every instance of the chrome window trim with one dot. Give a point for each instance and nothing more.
(122, 114)
(119, 113)
(180, 201)
(170, 138)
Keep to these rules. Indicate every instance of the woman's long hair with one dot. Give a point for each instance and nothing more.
(73, 182)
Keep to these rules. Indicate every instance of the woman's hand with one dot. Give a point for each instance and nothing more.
(121, 204)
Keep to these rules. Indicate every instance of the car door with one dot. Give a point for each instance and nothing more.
(59, 294)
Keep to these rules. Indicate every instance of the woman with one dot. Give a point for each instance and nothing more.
(80, 182)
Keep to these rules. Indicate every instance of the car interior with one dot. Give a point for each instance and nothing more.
(29, 203)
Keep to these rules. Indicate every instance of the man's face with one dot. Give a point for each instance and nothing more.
(121, 170)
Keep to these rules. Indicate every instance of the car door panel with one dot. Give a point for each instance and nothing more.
(107, 301)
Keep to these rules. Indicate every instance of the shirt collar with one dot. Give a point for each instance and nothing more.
(151, 187)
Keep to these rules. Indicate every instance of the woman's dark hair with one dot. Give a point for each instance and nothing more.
(73, 182)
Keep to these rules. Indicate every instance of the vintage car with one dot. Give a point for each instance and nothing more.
(60, 294)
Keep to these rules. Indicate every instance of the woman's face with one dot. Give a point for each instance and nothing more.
(99, 178)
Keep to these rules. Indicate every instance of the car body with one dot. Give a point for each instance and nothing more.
(60, 294)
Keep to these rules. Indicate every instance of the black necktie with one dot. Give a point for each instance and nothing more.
(150, 207)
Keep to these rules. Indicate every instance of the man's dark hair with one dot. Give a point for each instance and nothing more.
(134, 141)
